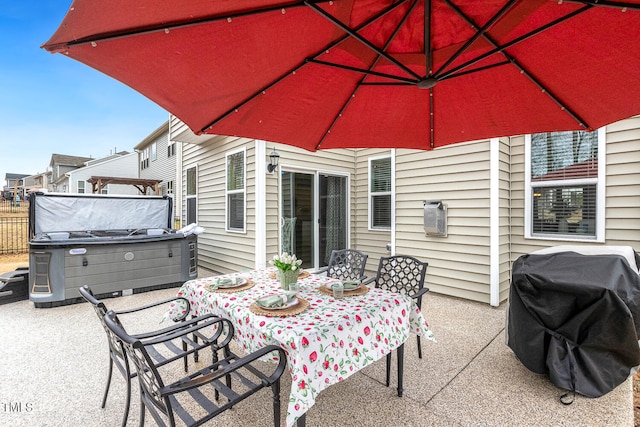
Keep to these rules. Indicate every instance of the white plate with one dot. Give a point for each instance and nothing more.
(330, 287)
(234, 285)
(291, 303)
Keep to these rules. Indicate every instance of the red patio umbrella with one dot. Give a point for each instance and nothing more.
(324, 74)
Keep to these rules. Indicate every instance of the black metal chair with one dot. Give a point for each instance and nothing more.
(404, 275)
(188, 398)
(346, 264)
(116, 356)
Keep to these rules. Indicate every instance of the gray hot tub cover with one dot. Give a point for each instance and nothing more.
(576, 318)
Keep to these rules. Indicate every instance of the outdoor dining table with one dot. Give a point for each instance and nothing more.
(326, 342)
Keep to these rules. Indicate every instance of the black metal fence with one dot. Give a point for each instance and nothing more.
(14, 235)
(9, 206)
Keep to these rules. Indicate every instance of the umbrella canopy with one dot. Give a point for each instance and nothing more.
(322, 74)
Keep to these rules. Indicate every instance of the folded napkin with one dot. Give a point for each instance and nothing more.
(275, 301)
(224, 282)
(349, 285)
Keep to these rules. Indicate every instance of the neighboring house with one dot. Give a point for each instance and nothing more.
(37, 182)
(121, 165)
(505, 197)
(157, 159)
(14, 183)
(59, 165)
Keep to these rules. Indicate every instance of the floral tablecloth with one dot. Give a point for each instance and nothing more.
(326, 343)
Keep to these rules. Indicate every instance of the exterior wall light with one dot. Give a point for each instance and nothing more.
(273, 161)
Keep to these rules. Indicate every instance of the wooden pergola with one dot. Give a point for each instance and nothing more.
(142, 184)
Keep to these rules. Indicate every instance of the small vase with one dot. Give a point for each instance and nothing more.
(287, 277)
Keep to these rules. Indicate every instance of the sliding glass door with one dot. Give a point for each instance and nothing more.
(314, 208)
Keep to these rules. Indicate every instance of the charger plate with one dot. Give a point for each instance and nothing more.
(361, 290)
(298, 308)
(250, 284)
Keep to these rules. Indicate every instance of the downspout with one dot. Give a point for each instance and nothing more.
(393, 201)
(260, 218)
(494, 222)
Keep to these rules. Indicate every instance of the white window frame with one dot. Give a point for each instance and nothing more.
(190, 196)
(600, 182)
(391, 193)
(80, 181)
(242, 191)
(154, 151)
(171, 148)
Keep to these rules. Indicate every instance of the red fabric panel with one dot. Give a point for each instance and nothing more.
(249, 76)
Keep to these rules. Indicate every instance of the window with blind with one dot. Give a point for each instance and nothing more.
(380, 193)
(81, 187)
(563, 184)
(235, 191)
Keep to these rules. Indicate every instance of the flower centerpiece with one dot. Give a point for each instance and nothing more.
(288, 268)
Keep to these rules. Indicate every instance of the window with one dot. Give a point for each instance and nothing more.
(565, 191)
(144, 158)
(169, 187)
(105, 190)
(235, 191)
(81, 187)
(380, 193)
(192, 204)
(171, 148)
(154, 151)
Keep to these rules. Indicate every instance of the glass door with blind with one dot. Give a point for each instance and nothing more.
(313, 215)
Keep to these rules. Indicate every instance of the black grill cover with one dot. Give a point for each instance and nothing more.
(576, 318)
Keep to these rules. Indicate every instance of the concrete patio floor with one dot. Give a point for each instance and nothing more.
(54, 367)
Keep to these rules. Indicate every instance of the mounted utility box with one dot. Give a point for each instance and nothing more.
(435, 218)
(115, 244)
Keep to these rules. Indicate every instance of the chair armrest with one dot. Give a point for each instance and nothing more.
(420, 293)
(321, 270)
(363, 278)
(155, 304)
(189, 383)
(366, 282)
(180, 329)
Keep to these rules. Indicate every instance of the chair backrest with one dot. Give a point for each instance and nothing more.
(148, 375)
(114, 344)
(401, 273)
(347, 264)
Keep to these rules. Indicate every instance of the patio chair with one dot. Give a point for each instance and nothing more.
(116, 356)
(346, 264)
(189, 397)
(404, 275)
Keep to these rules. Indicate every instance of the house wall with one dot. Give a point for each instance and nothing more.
(622, 224)
(122, 166)
(164, 167)
(223, 251)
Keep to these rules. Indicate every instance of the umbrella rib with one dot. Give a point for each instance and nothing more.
(370, 72)
(537, 82)
(353, 33)
(362, 70)
(502, 48)
(605, 3)
(296, 68)
(176, 25)
(479, 33)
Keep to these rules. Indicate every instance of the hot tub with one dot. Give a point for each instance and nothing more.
(117, 245)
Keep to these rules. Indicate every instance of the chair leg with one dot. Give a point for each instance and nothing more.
(186, 363)
(141, 424)
(275, 388)
(400, 368)
(419, 347)
(106, 390)
(388, 369)
(128, 404)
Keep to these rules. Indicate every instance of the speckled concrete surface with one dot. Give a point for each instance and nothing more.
(54, 366)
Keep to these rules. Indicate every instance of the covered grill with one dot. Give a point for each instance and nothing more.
(574, 315)
(115, 244)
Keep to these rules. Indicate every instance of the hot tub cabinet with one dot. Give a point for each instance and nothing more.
(117, 245)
